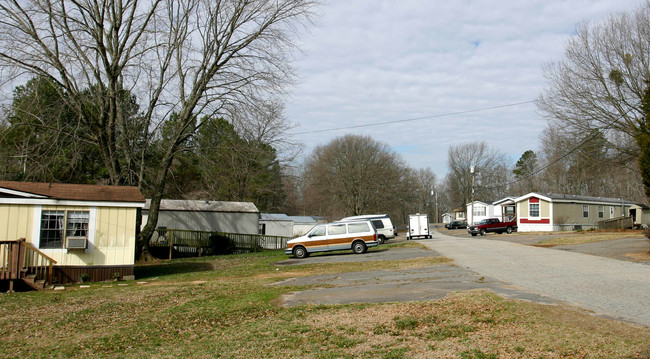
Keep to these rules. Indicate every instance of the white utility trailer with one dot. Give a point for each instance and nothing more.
(418, 226)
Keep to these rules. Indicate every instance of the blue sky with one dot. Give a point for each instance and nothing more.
(367, 62)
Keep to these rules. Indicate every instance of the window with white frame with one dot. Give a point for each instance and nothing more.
(54, 224)
(601, 211)
(585, 211)
(533, 209)
(479, 211)
(611, 212)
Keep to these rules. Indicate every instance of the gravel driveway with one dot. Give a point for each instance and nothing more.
(609, 287)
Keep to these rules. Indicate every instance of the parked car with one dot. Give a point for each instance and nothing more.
(456, 225)
(357, 236)
(382, 222)
(492, 225)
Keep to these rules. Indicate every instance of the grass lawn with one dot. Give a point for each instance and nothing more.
(223, 307)
(589, 237)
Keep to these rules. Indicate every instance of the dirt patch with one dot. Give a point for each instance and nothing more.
(398, 284)
(639, 256)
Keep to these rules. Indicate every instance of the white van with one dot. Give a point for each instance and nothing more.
(357, 235)
(382, 222)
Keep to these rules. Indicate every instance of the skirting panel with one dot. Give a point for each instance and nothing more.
(72, 274)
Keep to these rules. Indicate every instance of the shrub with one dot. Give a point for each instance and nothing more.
(85, 277)
(221, 244)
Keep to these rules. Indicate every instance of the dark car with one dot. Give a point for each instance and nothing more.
(456, 225)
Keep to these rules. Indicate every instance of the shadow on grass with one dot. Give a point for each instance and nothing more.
(155, 270)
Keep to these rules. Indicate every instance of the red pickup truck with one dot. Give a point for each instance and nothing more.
(492, 225)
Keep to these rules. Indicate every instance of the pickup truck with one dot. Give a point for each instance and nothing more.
(492, 225)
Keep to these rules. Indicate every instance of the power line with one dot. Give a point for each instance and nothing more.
(558, 159)
(416, 118)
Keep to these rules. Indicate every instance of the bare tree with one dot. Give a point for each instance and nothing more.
(180, 59)
(352, 175)
(600, 82)
(585, 165)
(490, 177)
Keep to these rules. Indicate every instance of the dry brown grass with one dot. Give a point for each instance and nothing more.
(587, 237)
(471, 324)
(229, 313)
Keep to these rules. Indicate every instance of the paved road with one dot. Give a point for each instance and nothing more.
(609, 287)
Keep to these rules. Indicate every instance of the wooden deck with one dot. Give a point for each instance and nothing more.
(20, 260)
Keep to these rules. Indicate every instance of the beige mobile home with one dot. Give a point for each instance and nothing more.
(74, 229)
(555, 212)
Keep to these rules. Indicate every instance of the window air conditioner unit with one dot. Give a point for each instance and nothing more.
(76, 242)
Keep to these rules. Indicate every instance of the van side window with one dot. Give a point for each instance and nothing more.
(336, 229)
(357, 227)
(318, 231)
(378, 223)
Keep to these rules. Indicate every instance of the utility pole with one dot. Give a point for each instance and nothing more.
(471, 171)
(434, 194)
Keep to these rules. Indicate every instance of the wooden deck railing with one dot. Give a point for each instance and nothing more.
(18, 259)
(614, 223)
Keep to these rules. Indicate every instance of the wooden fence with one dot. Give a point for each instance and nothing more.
(614, 223)
(187, 243)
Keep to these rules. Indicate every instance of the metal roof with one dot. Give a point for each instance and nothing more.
(574, 198)
(204, 206)
(274, 217)
(67, 191)
(303, 219)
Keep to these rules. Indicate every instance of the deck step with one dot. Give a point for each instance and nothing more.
(31, 280)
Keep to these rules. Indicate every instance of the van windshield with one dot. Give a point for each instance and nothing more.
(317, 231)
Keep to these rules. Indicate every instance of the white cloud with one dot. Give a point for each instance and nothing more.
(375, 61)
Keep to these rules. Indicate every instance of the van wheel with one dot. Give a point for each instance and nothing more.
(300, 252)
(381, 239)
(359, 247)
